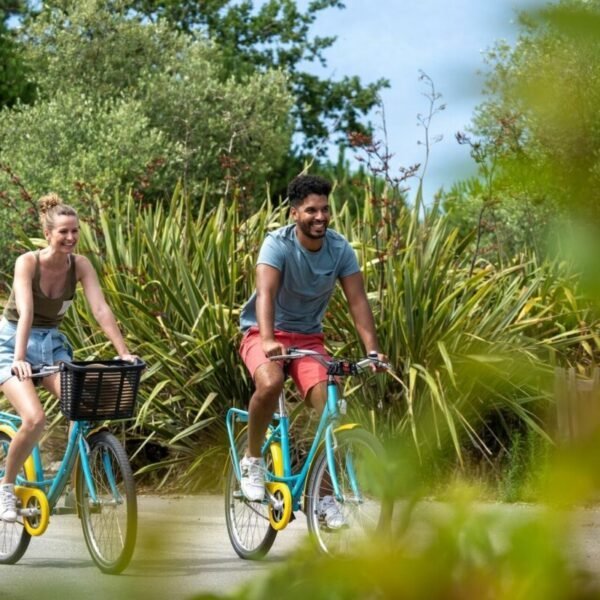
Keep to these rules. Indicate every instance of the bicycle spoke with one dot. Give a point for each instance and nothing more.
(109, 522)
(358, 508)
(248, 523)
(14, 539)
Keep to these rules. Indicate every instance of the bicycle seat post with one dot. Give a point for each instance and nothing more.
(282, 409)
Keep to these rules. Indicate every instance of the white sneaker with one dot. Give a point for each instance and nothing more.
(331, 513)
(8, 503)
(253, 478)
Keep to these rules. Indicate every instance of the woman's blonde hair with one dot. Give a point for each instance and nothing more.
(52, 206)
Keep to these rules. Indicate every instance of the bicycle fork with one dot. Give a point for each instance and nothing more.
(84, 453)
(331, 446)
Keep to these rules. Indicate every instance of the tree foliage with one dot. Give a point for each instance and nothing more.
(507, 223)
(13, 81)
(116, 94)
(76, 140)
(541, 120)
(276, 34)
(468, 349)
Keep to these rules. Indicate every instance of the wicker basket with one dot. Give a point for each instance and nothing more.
(99, 390)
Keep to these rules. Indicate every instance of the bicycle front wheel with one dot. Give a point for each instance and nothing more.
(338, 521)
(14, 538)
(248, 524)
(109, 522)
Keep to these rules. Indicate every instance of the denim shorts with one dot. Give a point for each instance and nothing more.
(45, 345)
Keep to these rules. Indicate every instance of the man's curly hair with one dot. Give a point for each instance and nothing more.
(304, 185)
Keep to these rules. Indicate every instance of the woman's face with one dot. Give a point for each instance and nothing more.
(65, 234)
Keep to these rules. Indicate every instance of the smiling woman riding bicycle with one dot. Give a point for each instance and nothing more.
(43, 288)
(297, 269)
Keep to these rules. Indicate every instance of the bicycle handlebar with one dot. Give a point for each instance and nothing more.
(42, 370)
(358, 365)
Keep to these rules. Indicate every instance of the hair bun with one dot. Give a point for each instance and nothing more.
(49, 201)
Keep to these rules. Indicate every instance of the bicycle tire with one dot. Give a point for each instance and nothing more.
(14, 538)
(109, 526)
(365, 512)
(248, 525)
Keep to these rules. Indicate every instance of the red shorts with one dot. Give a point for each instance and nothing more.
(306, 372)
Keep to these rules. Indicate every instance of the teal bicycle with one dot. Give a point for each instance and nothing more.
(105, 498)
(337, 472)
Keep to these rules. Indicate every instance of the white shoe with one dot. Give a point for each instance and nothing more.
(253, 478)
(8, 503)
(331, 513)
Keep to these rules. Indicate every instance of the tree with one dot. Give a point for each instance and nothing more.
(123, 104)
(73, 141)
(277, 35)
(542, 113)
(98, 71)
(13, 81)
(507, 224)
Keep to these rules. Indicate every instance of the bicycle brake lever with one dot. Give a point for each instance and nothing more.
(379, 364)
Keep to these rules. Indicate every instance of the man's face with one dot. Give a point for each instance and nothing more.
(312, 216)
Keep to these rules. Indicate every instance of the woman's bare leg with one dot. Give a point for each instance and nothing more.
(25, 401)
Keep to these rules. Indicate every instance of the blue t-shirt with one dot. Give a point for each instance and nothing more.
(307, 279)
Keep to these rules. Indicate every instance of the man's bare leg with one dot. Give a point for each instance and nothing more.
(316, 397)
(268, 379)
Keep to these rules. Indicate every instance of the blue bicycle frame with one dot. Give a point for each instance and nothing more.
(279, 434)
(76, 446)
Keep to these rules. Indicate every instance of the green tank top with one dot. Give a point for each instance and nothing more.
(47, 312)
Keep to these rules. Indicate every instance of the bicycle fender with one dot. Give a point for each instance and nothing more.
(29, 465)
(277, 456)
(96, 430)
(345, 427)
(9, 430)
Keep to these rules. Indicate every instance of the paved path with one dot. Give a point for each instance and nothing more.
(182, 550)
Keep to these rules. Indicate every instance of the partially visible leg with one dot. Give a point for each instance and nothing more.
(316, 397)
(268, 379)
(25, 401)
(328, 507)
(309, 375)
(52, 384)
(23, 397)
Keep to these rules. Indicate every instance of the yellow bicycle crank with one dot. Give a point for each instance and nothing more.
(35, 509)
(280, 504)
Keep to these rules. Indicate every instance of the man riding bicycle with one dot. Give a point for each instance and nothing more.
(297, 269)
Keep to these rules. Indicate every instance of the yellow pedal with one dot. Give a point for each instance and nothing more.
(280, 505)
(34, 508)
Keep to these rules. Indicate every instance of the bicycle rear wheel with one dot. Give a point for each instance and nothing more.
(14, 539)
(360, 506)
(109, 524)
(248, 524)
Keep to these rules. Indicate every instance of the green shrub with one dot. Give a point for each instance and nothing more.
(470, 350)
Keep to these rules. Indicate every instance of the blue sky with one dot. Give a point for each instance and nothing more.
(395, 39)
